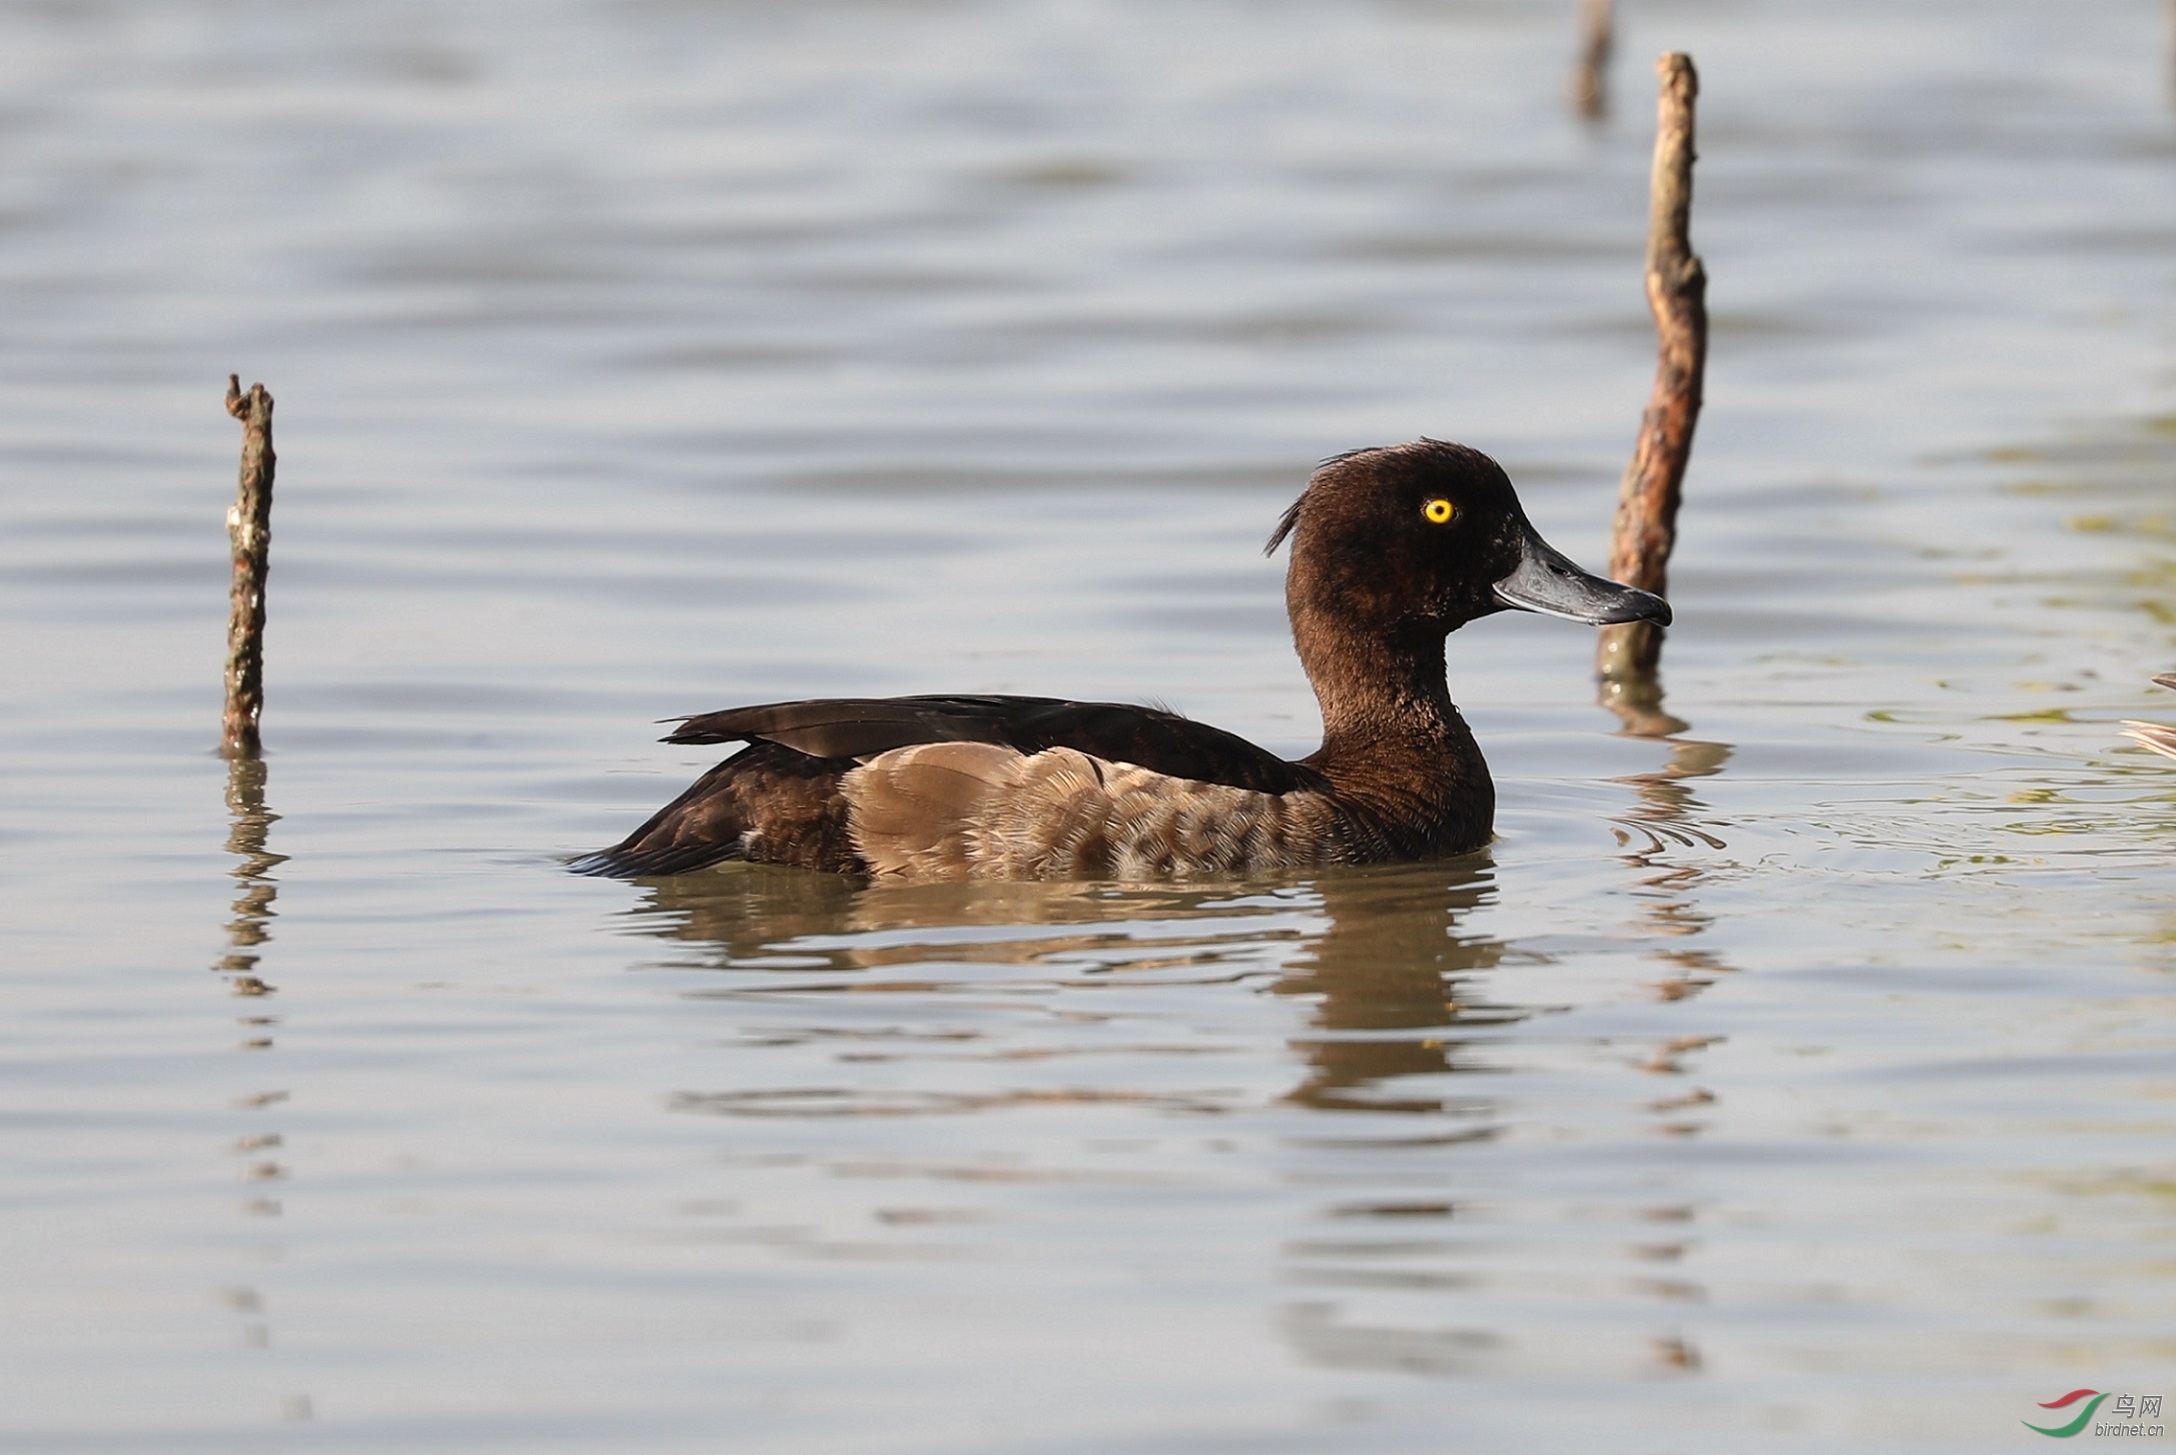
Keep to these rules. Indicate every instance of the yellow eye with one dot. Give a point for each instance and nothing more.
(1439, 511)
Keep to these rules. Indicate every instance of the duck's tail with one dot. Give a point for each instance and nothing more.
(686, 834)
(767, 803)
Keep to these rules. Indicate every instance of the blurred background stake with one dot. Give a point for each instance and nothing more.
(249, 531)
(1646, 526)
(1590, 81)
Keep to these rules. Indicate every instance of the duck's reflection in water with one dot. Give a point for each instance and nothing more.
(1390, 969)
(762, 917)
(1377, 964)
(1381, 948)
(1396, 1011)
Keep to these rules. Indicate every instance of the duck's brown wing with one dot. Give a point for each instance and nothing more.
(1148, 737)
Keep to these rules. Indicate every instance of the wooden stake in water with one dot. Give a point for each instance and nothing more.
(1647, 502)
(1590, 81)
(249, 532)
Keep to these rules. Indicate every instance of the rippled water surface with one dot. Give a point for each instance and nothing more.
(1799, 1082)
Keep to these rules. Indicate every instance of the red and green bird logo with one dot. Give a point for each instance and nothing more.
(2085, 1416)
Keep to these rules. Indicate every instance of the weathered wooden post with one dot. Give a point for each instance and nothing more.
(1590, 79)
(249, 532)
(1646, 525)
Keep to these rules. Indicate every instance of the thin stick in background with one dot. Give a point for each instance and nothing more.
(1646, 525)
(1590, 80)
(249, 531)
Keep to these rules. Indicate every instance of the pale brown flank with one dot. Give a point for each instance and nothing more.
(981, 810)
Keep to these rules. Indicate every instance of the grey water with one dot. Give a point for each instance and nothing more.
(1801, 1081)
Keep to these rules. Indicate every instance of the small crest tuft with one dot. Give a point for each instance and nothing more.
(1284, 527)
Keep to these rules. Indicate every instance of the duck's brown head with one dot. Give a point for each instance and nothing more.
(1423, 538)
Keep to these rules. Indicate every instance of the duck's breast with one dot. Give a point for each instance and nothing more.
(981, 810)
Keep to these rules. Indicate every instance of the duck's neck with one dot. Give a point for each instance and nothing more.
(1392, 742)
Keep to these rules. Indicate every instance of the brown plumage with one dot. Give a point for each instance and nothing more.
(978, 810)
(1392, 550)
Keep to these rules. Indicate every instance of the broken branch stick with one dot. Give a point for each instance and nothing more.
(249, 532)
(1646, 525)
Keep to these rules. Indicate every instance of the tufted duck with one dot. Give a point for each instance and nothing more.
(1392, 550)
